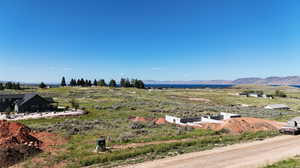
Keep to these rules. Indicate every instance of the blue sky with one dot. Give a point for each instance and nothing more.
(148, 39)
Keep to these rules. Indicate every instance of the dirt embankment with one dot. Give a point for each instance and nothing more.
(18, 141)
(157, 121)
(244, 124)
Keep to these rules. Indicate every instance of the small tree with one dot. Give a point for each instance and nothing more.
(123, 82)
(63, 82)
(42, 85)
(95, 83)
(82, 82)
(89, 83)
(73, 82)
(127, 83)
(8, 85)
(1, 86)
(280, 93)
(19, 86)
(74, 104)
(78, 83)
(112, 83)
(140, 84)
(102, 82)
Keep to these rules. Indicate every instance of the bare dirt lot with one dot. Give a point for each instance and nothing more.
(244, 124)
(247, 155)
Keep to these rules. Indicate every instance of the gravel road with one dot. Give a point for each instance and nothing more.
(247, 155)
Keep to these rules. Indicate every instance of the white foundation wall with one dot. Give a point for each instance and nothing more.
(228, 115)
(207, 120)
(172, 119)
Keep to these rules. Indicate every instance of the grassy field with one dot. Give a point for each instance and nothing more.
(110, 108)
(290, 163)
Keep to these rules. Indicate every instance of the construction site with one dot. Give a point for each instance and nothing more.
(122, 125)
(232, 123)
(18, 141)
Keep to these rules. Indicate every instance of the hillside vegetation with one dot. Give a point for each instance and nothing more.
(109, 112)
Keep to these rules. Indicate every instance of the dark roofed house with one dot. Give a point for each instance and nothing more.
(31, 102)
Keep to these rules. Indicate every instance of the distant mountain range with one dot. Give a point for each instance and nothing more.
(289, 80)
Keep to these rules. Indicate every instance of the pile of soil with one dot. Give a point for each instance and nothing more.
(140, 119)
(16, 143)
(244, 124)
(160, 121)
(143, 119)
(12, 133)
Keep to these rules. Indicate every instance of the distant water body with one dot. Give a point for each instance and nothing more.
(188, 86)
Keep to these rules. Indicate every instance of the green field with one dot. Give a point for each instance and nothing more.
(109, 110)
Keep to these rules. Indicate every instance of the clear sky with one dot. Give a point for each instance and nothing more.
(43, 40)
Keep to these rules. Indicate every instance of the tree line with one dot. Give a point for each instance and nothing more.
(10, 85)
(126, 83)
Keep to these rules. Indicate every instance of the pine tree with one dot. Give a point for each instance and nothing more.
(140, 84)
(63, 82)
(1, 86)
(71, 82)
(122, 82)
(112, 83)
(42, 85)
(127, 83)
(8, 85)
(13, 85)
(18, 87)
(102, 82)
(95, 82)
(137, 83)
(82, 82)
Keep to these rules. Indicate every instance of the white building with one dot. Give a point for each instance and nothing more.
(203, 119)
(253, 95)
(295, 122)
(277, 107)
(229, 115)
(172, 119)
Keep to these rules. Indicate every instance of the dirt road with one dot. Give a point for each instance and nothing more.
(247, 155)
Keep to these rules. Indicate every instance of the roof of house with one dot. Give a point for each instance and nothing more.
(23, 98)
(274, 106)
(27, 97)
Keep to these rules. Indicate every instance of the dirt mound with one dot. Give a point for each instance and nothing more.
(16, 143)
(140, 119)
(240, 125)
(160, 121)
(143, 119)
(16, 133)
